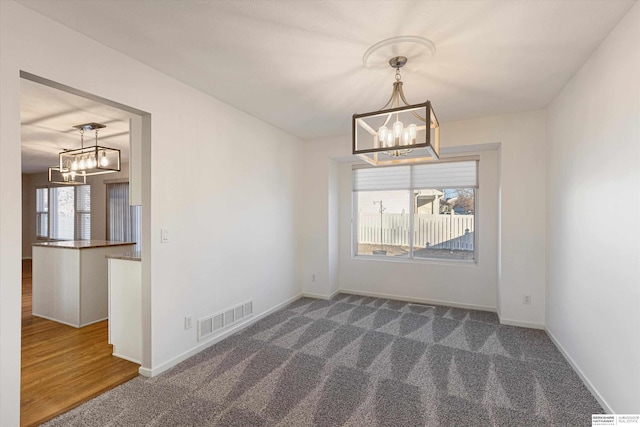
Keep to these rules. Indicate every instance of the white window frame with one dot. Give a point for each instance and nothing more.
(410, 257)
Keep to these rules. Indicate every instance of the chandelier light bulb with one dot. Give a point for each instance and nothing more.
(82, 164)
(397, 132)
(103, 159)
(73, 175)
(389, 139)
(397, 129)
(74, 165)
(382, 134)
(413, 132)
(406, 137)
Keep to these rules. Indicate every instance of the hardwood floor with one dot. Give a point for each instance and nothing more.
(63, 366)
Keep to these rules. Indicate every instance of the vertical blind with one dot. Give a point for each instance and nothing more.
(123, 221)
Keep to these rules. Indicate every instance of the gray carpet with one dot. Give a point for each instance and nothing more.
(358, 361)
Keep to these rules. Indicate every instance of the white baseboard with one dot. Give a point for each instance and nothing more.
(418, 300)
(320, 296)
(146, 372)
(511, 322)
(130, 359)
(581, 374)
(67, 323)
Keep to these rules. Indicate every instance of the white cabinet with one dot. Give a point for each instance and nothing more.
(125, 309)
(70, 280)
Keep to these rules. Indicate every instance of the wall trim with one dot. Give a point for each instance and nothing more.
(512, 322)
(146, 372)
(418, 300)
(130, 359)
(68, 323)
(320, 296)
(601, 400)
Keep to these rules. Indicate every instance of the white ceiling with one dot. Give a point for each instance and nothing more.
(47, 118)
(298, 64)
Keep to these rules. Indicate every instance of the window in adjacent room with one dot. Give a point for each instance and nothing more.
(425, 211)
(124, 221)
(63, 213)
(42, 213)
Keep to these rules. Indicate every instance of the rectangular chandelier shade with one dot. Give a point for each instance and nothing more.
(93, 160)
(66, 178)
(409, 134)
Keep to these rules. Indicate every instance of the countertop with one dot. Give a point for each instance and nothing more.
(83, 244)
(127, 256)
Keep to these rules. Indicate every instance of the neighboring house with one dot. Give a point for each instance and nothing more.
(428, 201)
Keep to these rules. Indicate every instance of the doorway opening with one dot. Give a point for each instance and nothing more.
(65, 364)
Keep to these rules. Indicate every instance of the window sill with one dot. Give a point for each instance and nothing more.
(428, 261)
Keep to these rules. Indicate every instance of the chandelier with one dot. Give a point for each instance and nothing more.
(401, 133)
(66, 178)
(75, 165)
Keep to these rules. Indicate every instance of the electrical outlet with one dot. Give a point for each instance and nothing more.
(188, 322)
(164, 236)
(526, 299)
(313, 277)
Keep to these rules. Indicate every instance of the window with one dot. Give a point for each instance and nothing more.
(416, 212)
(124, 222)
(42, 213)
(63, 213)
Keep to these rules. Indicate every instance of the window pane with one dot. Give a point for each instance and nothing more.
(42, 218)
(83, 212)
(383, 223)
(42, 225)
(62, 213)
(444, 223)
(83, 198)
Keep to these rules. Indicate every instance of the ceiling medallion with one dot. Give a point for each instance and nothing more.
(419, 49)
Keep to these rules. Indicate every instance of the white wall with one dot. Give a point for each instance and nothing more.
(318, 226)
(219, 253)
(448, 283)
(593, 259)
(521, 263)
(518, 170)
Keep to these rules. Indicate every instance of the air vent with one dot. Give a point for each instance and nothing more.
(228, 317)
(211, 325)
(218, 322)
(206, 326)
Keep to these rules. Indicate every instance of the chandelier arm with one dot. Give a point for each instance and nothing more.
(419, 117)
(390, 100)
(387, 120)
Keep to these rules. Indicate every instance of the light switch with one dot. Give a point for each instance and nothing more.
(164, 236)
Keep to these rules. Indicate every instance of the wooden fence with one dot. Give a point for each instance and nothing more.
(437, 231)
